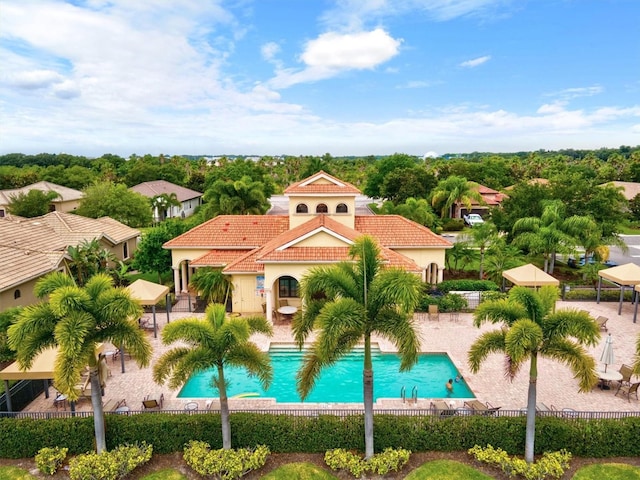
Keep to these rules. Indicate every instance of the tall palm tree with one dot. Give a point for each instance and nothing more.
(77, 320)
(482, 236)
(164, 202)
(531, 329)
(552, 233)
(349, 302)
(454, 190)
(214, 341)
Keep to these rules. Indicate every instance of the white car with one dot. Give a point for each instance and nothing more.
(473, 219)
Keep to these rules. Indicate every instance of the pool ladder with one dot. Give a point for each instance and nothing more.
(414, 394)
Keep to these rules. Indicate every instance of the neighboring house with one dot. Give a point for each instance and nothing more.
(490, 198)
(33, 247)
(189, 199)
(67, 201)
(267, 255)
(532, 181)
(629, 189)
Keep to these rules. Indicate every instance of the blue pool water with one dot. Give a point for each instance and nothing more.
(340, 383)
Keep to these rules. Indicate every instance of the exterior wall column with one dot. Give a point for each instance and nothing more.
(176, 281)
(269, 298)
(440, 273)
(183, 274)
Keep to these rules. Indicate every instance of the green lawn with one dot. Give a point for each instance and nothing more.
(610, 471)
(446, 469)
(14, 473)
(165, 474)
(299, 471)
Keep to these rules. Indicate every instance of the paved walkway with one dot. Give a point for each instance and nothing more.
(556, 385)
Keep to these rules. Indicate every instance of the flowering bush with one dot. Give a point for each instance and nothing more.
(224, 464)
(551, 464)
(49, 460)
(390, 460)
(111, 465)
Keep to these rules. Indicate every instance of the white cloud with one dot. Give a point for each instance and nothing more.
(332, 53)
(269, 50)
(476, 61)
(34, 79)
(576, 92)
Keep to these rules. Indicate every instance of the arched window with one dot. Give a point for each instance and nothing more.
(17, 294)
(341, 208)
(302, 208)
(287, 287)
(322, 208)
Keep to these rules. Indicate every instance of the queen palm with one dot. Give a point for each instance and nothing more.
(214, 342)
(454, 190)
(213, 285)
(77, 320)
(531, 329)
(349, 302)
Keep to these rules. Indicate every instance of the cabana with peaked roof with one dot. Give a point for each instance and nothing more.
(623, 276)
(41, 369)
(529, 276)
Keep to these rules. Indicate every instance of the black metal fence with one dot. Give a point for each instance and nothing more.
(343, 413)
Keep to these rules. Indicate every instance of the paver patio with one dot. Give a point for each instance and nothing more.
(556, 385)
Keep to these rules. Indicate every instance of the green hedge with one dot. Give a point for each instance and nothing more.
(23, 438)
(467, 285)
(591, 294)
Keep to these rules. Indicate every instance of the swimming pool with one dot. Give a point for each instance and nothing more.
(340, 383)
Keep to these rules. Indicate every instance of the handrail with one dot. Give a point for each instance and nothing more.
(414, 394)
(403, 394)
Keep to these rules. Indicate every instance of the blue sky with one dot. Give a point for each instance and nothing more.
(307, 77)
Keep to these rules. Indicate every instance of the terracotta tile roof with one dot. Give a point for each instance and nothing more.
(312, 186)
(395, 231)
(245, 264)
(218, 258)
(232, 231)
(158, 187)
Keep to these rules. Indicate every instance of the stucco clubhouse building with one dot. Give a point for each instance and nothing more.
(267, 255)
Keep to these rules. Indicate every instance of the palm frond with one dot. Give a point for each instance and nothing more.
(400, 329)
(97, 284)
(530, 300)
(256, 362)
(498, 311)
(524, 337)
(397, 287)
(486, 344)
(163, 367)
(573, 323)
(308, 374)
(259, 324)
(576, 358)
(32, 320)
(67, 299)
(52, 282)
(73, 331)
(304, 321)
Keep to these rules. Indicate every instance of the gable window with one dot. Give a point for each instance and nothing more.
(322, 208)
(125, 250)
(302, 208)
(1, 213)
(342, 208)
(287, 287)
(17, 294)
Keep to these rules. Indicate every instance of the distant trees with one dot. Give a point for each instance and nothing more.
(33, 203)
(382, 168)
(240, 197)
(452, 191)
(115, 200)
(150, 256)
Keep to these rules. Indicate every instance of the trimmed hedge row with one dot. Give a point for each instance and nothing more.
(24, 437)
(467, 285)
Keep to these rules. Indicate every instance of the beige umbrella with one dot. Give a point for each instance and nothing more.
(607, 356)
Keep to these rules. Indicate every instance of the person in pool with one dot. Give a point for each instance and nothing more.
(449, 386)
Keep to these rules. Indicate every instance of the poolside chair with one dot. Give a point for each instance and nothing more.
(112, 405)
(629, 390)
(152, 403)
(278, 317)
(602, 323)
(627, 372)
(433, 312)
(441, 407)
(478, 407)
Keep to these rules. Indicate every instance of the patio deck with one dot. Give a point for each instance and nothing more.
(556, 385)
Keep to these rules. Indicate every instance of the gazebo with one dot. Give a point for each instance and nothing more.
(622, 276)
(529, 276)
(149, 293)
(41, 369)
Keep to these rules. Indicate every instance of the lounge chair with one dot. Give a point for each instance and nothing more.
(602, 323)
(629, 390)
(433, 312)
(441, 407)
(478, 407)
(112, 405)
(152, 403)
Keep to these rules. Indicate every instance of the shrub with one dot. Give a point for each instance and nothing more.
(452, 302)
(551, 464)
(390, 460)
(467, 285)
(223, 464)
(49, 460)
(111, 465)
(452, 224)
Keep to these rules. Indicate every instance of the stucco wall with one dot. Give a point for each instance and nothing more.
(312, 202)
(27, 296)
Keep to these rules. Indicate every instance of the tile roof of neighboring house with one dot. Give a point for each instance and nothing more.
(490, 197)
(66, 194)
(395, 231)
(312, 186)
(68, 224)
(217, 258)
(20, 265)
(232, 231)
(531, 181)
(629, 189)
(158, 187)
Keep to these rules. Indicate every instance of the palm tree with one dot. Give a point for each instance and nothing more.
(161, 203)
(454, 190)
(77, 320)
(214, 341)
(347, 303)
(483, 236)
(531, 329)
(551, 233)
(212, 285)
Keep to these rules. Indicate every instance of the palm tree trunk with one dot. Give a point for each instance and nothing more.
(224, 411)
(481, 263)
(530, 434)
(98, 414)
(367, 382)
